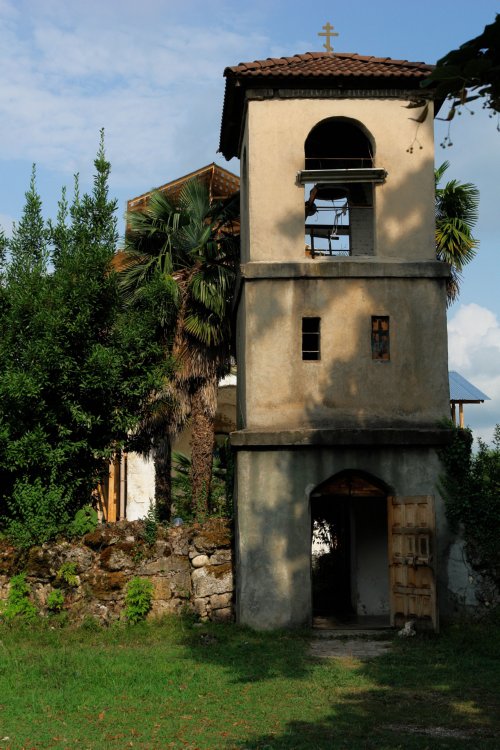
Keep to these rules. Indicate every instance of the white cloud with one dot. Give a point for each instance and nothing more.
(67, 72)
(474, 351)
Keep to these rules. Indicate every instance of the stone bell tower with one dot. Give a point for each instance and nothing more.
(341, 336)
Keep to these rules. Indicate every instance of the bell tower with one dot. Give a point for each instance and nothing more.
(341, 332)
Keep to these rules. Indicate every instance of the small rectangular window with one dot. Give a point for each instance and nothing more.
(311, 338)
(380, 338)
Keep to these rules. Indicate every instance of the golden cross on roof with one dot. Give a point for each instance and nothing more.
(328, 33)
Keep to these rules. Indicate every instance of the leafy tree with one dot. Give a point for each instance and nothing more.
(73, 369)
(186, 255)
(456, 215)
(470, 72)
(471, 489)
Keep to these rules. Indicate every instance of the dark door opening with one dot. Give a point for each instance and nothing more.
(331, 557)
(349, 554)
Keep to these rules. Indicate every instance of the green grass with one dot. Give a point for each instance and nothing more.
(174, 685)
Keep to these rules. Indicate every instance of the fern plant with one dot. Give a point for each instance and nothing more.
(151, 524)
(18, 605)
(55, 601)
(67, 574)
(138, 599)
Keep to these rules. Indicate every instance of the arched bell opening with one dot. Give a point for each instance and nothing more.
(349, 552)
(338, 184)
(338, 143)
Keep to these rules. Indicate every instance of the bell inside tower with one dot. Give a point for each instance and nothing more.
(338, 203)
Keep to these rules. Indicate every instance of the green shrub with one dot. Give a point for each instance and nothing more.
(67, 574)
(138, 599)
(55, 600)
(37, 513)
(18, 605)
(84, 522)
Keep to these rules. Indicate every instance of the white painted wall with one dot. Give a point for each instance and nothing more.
(140, 486)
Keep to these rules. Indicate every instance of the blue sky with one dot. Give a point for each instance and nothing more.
(150, 73)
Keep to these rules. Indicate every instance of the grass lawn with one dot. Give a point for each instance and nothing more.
(171, 684)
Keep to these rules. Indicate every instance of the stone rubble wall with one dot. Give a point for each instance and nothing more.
(190, 567)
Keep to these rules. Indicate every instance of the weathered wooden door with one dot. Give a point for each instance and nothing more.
(412, 583)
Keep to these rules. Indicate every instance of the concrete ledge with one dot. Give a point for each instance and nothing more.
(341, 436)
(345, 267)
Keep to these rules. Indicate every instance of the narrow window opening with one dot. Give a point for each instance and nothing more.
(311, 338)
(380, 338)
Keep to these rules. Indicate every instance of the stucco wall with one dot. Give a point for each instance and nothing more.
(397, 276)
(345, 387)
(140, 486)
(273, 546)
(404, 205)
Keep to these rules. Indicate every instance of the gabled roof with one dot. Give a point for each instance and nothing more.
(221, 183)
(327, 65)
(462, 390)
(318, 70)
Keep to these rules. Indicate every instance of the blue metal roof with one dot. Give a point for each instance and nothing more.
(462, 390)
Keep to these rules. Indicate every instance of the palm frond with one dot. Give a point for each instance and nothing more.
(458, 199)
(457, 206)
(454, 242)
(439, 172)
(194, 200)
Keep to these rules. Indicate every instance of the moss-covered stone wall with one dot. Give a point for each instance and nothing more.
(190, 567)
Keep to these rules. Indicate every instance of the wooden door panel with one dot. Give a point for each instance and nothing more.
(411, 522)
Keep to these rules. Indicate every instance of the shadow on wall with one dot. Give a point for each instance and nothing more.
(274, 544)
(347, 387)
(353, 388)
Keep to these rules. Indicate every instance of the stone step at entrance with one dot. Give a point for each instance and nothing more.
(351, 623)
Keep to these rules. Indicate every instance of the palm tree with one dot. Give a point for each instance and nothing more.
(186, 255)
(456, 215)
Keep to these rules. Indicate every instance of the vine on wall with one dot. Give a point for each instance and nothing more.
(471, 490)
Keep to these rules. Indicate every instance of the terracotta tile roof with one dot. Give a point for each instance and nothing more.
(327, 65)
(319, 70)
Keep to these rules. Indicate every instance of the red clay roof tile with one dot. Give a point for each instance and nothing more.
(337, 70)
(321, 64)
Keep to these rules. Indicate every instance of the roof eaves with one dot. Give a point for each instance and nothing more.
(289, 70)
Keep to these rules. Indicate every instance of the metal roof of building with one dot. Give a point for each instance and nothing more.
(462, 390)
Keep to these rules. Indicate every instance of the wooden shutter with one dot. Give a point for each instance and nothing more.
(380, 338)
(411, 560)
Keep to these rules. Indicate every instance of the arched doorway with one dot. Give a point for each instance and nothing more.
(349, 551)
